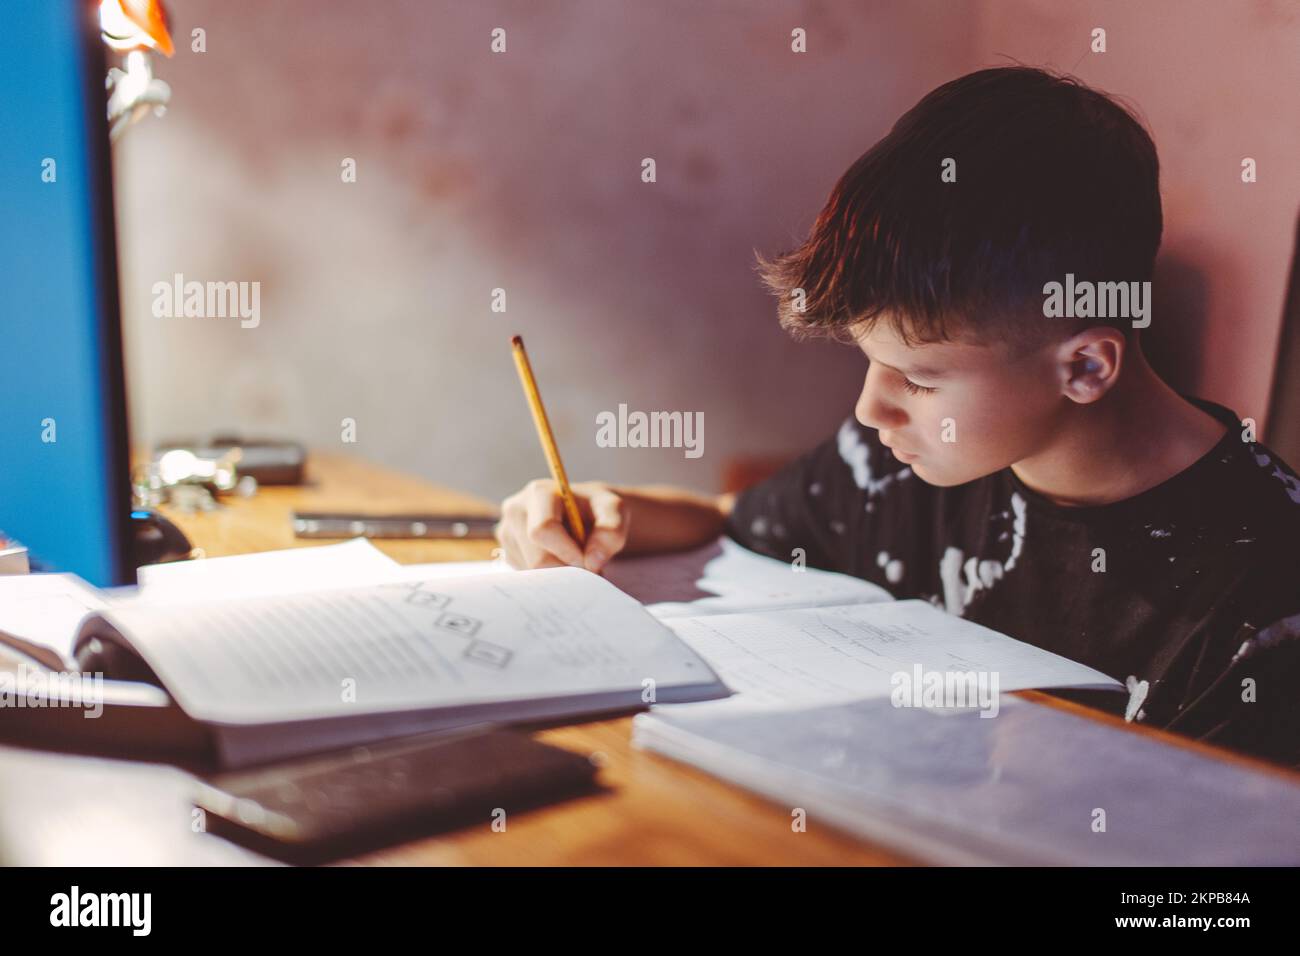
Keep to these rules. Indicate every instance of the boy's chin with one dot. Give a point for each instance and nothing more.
(943, 477)
(929, 477)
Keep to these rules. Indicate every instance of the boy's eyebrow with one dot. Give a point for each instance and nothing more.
(923, 371)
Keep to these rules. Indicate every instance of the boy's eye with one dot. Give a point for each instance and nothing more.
(915, 389)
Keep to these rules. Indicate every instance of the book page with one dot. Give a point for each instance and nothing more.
(349, 564)
(822, 655)
(723, 578)
(409, 644)
(44, 610)
(451, 569)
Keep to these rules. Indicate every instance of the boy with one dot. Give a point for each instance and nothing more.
(1015, 465)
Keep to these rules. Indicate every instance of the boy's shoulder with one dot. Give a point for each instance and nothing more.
(1265, 486)
(1243, 485)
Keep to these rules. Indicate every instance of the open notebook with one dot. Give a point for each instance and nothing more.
(782, 638)
(282, 674)
(289, 662)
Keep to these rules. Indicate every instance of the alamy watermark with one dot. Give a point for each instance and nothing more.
(34, 687)
(624, 429)
(941, 689)
(208, 300)
(133, 911)
(1098, 300)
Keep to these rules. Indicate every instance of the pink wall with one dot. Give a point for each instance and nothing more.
(522, 171)
(1216, 82)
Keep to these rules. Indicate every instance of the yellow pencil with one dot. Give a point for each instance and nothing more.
(548, 440)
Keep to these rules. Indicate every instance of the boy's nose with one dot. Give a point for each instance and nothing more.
(874, 411)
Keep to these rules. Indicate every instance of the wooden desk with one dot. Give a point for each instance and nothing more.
(656, 811)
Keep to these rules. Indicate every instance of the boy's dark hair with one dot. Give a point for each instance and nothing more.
(1051, 178)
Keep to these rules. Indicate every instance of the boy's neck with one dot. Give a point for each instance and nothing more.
(1138, 435)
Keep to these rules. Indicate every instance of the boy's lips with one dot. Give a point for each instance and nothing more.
(900, 454)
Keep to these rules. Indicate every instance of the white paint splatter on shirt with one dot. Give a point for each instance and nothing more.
(857, 455)
(892, 567)
(954, 595)
(1017, 529)
(1264, 460)
(964, 577)
(1137, 695)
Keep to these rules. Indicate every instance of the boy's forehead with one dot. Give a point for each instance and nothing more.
(882, 343)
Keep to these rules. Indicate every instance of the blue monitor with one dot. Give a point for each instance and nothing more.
(64, 462)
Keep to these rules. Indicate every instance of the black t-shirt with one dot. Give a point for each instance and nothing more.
(1188, 592)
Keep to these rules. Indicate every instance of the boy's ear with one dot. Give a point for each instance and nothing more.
(1089, 363)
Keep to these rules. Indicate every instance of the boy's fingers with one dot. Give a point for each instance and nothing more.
(551, 538)
(608, 510)
(546, 527)
(510, 547)
(609, 529)
(514, 557)
(601, 546)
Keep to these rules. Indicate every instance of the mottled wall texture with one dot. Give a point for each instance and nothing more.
(522, 171)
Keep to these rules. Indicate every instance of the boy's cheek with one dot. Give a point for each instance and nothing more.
(967, 431)
(965, 446)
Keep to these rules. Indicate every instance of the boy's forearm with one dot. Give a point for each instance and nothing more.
(664, 518)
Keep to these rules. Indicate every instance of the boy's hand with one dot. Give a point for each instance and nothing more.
(532, 532)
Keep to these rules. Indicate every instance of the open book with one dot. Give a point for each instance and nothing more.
(786, 638)
(276, 655)
(285, 674)
(282, 666)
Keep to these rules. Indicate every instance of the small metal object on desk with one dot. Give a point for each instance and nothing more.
(189, 481)
(191, 498)
(345, 525)
(270, 461)
(181, 466)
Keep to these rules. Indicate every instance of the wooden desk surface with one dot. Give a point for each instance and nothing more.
(656, 811)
